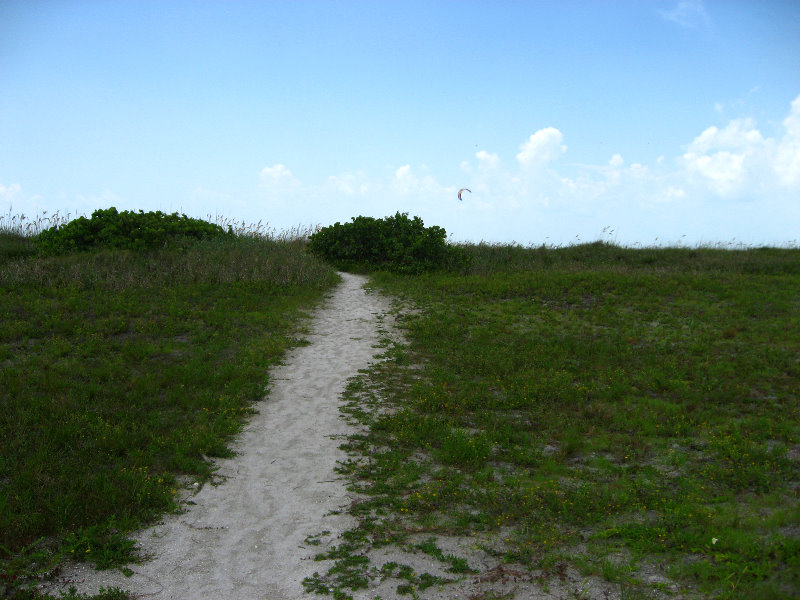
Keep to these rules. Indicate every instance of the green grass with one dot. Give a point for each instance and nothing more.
(626, 412)
(119, 373)
(623, 411)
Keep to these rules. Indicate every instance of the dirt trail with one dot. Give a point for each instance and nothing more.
(244, 538)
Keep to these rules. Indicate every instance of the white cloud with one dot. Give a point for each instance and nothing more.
(719, 156)
(739, 134)
(724, 171)
(664, 201)
(687, 13)
(351, 184)
(278, 182)
(406, 182)
(487, 160)
(787, 159)
(537, 199)
(542, 147)
(737, 159)
(277, 174)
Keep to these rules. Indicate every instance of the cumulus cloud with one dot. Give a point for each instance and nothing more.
(277, 174)
(540, 148)
(737, 159)
(487, 160)
(724, 170)
(787, 159)
(404, 180)
(407, 182)
(739, 134)
(537, 199)
(278, 182)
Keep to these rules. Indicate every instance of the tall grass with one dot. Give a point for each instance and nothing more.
(120, 372)
(29, 226)
(18, 231)
(631, 413)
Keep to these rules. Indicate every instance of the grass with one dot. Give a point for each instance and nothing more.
(120, 373)
(631, 413)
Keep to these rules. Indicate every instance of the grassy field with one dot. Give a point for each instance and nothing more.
(120, 374)
(632, 414)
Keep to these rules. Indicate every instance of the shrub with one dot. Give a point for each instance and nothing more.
(397, 244)
(127, 230)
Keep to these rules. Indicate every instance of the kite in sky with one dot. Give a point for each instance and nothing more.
(463, 190)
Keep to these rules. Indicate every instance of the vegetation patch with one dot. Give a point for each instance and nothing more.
(109, 228)
(121, 371)
(632, 414)
(399, 244)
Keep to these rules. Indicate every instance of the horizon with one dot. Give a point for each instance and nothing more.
(674, 121)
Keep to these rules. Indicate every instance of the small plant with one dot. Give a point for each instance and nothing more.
(100, 545)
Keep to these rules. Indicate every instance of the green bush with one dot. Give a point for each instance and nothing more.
(127, 230)
(397, 244)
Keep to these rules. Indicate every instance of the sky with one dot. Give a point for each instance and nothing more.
(638, 122)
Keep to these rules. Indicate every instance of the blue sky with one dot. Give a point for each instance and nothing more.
(636, 121)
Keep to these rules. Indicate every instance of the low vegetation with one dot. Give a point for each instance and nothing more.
(630, 414)
(122, 370)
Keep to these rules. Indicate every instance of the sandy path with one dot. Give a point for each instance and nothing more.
(244, 538)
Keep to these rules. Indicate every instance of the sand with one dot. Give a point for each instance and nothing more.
(247, 537)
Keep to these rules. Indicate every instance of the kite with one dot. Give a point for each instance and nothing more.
(463, 190)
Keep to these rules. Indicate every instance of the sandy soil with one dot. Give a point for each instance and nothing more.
(245, 538)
